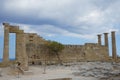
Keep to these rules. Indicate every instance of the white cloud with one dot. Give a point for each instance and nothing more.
(77, 18)
(27, 28)
(52, 31)
(95, 17)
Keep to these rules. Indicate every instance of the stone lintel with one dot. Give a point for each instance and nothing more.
(20, 31)
(14, 29)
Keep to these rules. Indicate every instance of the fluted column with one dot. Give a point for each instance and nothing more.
(99, 39)
(114, 55)
(6, 43)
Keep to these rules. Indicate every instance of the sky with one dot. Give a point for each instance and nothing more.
(65, 21)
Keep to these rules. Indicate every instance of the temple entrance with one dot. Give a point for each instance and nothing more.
(14, 45)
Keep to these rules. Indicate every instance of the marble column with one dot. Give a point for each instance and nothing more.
(6, 43)
(114, 55)
(99, 39)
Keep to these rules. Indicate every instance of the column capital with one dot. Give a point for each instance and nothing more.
(105, 33)
(113, 31)
(99, 34)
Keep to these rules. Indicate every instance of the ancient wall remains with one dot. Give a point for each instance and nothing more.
(30, 48)
(21, 55)
(87, 52)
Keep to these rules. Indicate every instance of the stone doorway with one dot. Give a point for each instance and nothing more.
(12, 46)
(20, 53)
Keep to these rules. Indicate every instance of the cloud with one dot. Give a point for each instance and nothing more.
(52, 31)
(83, 18)
(27, 28)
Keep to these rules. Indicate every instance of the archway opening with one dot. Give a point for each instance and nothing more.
(12, 46)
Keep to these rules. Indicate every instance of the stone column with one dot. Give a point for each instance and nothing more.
(114, 55)
(6, 43)
(21, 55)
(106, 44)
(99, 39)
(106, 39)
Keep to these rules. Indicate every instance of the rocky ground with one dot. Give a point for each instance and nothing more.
(75, 71)
(99, 70)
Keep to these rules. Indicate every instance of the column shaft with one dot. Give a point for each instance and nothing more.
(106, 39)
(6, 44)
(21, 55)
(114, 55)
(99, 39)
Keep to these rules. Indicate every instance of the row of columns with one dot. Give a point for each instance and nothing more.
(114, 54)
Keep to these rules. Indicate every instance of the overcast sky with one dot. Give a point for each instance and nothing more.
(65, 21)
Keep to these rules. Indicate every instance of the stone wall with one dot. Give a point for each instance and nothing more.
(87, 52)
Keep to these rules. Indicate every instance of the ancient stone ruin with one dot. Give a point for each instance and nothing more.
(21, 55)
(29, 49)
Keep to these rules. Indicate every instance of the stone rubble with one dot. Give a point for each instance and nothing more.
(76, 71)
(103, 71)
